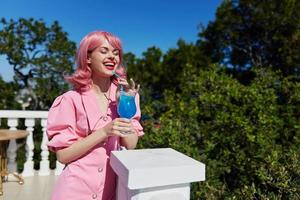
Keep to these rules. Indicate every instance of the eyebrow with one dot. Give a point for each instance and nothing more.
(106, 48)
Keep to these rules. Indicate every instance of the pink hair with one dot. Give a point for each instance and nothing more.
(81, 79)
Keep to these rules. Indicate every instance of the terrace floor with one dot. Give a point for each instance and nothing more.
(34, 188)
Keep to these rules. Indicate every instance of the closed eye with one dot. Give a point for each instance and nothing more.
(116, 52)
(104, 50)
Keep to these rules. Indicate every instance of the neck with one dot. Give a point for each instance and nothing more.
(101, 85)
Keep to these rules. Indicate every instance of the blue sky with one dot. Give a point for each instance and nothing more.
(139, 23)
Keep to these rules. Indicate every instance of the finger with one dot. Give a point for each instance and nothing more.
(128, 131)
(125, 120)
(119, 133)
(123, 82)
(125, 129)
(138, 88)
(131, 131)
(123, 125)
(125, 133)
(119, 125)
(118, 95)
(132, 84)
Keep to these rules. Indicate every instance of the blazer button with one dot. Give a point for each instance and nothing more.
(100, 169)
(94, 196)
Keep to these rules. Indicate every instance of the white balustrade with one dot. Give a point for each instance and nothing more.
(44, 165)
(30, 117)
(28, 166)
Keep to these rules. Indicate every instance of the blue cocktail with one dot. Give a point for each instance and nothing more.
(126, 105)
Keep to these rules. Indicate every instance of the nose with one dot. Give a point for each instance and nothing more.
(111, 56)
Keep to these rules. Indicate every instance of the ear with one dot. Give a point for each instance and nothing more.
(88, 60)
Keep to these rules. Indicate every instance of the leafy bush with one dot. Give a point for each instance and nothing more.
(248, 136)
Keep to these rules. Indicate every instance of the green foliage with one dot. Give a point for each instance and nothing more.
(39, 55)
(7, 95)
(250, 33)
(142, 69)
(240, 132)
(177, 59)
(157, 71)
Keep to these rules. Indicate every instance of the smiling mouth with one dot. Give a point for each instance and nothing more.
(109, 65)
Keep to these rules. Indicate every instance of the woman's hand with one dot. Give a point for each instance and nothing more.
(130, 88)
(118, 127)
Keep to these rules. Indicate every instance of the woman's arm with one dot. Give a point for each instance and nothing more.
(130, 141)
(80, 147)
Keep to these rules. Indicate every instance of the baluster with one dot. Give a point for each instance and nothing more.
(44, 167)
(28, 166)
(12, 147)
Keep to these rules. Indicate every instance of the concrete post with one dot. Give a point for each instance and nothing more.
(155, 174)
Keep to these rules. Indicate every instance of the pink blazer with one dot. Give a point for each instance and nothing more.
(89, 177)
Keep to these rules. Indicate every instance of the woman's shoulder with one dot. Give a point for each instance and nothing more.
(73, 94)
(69, 96)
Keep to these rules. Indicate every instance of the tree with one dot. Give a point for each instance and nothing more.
(39, 55)
(176, 60)
(147, 70)
(7, 100)
(157, 71)
(249, 33)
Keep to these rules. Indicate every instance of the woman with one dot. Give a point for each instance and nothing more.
(83, 124)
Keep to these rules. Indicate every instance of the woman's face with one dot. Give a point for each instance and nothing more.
(104, 60)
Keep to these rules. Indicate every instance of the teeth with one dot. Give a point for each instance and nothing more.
(109, 64)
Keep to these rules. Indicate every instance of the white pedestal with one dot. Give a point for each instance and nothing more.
(155, 174)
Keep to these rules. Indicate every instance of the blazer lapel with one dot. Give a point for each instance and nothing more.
(91, 108)
(94, 116)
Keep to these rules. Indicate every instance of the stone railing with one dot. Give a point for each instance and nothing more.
(31, 117)
(145, 174)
